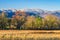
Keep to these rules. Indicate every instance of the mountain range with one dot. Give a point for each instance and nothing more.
(31, 12)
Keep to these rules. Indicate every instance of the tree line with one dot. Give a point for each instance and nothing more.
(20, 21)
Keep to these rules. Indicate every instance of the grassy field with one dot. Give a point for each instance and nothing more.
(29, 34)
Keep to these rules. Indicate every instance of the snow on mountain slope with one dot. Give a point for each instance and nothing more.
(30, 12)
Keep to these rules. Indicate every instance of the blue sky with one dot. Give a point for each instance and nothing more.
(22, 4)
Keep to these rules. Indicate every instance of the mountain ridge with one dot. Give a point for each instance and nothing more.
(34, 12)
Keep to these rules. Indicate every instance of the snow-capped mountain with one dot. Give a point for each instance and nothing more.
(30, 12)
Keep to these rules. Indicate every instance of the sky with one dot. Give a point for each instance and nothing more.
(28, 4)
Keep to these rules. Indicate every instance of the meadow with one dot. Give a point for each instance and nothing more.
(29, 34)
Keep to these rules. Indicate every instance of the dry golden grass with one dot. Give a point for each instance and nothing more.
(29, 35)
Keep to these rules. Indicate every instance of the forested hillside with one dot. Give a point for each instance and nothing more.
(29, 20)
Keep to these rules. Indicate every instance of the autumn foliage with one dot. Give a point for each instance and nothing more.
(21, 21)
